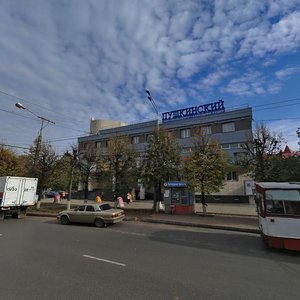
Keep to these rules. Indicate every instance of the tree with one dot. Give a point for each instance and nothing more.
(45, 165)
(73, 162)
(11, 164)
(88, 161)
(119, 164)
(284, 169)
(260, 150)
(205, 169)
(162, 162)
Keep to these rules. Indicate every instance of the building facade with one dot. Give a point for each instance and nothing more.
(231, 129)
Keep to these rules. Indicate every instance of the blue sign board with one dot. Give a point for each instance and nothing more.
(205, 109)
(175, 184)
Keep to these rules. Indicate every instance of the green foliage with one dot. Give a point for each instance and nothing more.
(11, 164)
(284, 169)
(88, 160)
(206, 168)
(162, 161)
(119, 164)
(59, 178)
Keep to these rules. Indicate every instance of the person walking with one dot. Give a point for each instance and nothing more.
(99, 199)
(128, 198)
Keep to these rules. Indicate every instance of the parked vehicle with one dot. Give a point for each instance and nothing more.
(16, 195)
(278, 205)
(98, 214)
(50, 194)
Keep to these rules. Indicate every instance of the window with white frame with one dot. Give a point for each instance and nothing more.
(228, 127)
(232, 176)
(135, 139)
(186, 150)
(225, 146)
(185, 133)
(206, 130)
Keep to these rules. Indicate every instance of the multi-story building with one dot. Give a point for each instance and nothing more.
(231, 129)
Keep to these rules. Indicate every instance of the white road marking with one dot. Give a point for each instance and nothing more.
(104, 260)
(0, 234)
(130, 233)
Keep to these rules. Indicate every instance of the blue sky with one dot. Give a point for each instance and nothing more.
(69, 61)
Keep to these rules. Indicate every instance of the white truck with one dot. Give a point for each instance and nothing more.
(16, 194)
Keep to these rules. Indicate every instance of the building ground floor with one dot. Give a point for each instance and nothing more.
(237, 189)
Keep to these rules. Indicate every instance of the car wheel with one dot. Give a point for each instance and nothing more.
(99, 223)
(64, 220)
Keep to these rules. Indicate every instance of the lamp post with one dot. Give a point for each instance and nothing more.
(73, 161)
(154, 106)
(157, 114)
(39, 138)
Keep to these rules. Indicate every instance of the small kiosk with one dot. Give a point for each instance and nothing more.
(178, 199)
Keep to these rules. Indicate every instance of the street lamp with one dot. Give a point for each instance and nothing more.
(158, 139)
(154, 106)
(39, 138)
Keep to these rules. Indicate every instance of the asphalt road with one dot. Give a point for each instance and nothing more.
(41, 259)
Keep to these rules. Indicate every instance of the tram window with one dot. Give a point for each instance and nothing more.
(274, 207)
(292, 207)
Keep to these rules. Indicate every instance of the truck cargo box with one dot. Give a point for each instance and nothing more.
(17, 193)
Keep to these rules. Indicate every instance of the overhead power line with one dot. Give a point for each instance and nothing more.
(14, 146)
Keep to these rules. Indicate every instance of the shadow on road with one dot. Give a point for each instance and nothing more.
(234, 243)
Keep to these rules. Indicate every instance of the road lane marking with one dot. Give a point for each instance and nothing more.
(105, 260)
(130, 233)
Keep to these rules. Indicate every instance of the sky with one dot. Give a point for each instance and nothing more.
(68, 61)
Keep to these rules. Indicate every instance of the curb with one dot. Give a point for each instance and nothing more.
(41, 214)
(167, 222)
(210, 226)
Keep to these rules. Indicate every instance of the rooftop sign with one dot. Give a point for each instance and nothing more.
(185, 113)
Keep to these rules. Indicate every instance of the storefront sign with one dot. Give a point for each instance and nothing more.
(175, 184)
(205, 109)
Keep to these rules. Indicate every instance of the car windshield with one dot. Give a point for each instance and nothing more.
(105, 206)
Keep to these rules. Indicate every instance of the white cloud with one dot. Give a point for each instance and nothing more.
(247, 85)
(282, 74)
(95, 58)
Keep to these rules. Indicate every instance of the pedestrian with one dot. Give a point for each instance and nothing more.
(128, 198)
(56, 198)
(120, 202)
(99, 198)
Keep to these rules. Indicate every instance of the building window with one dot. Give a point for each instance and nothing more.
(186, 150)
(225, 146)
(228, 127)
(149, 137)
(185, 133)
(232, 176)
(205, 130)
(135, 140)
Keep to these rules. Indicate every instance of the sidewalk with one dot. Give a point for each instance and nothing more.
(212, 208)
(234, 217)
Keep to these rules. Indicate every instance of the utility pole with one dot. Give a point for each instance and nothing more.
(39, 138)
(73, 160)
(38, 146)
(298, 134)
